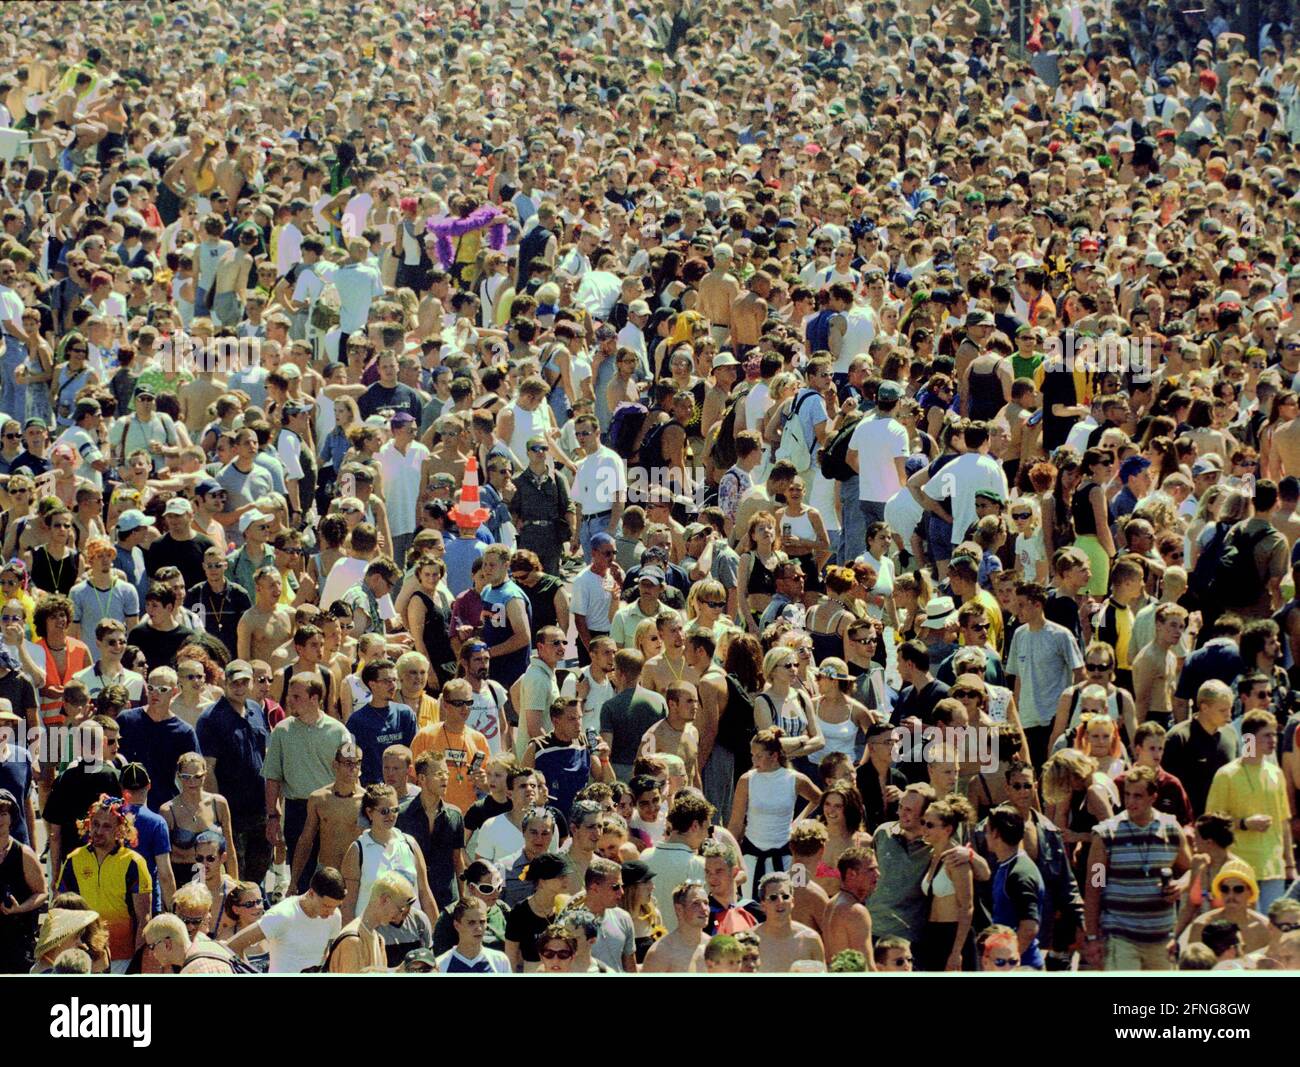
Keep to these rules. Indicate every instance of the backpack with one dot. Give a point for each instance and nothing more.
(1203, 575)
(735, 731)
(624, 425)
(324, 964)
(834, 458)
(720, 446)
(793, 446)
(651, 452)
(1237, 581)
(238, 965)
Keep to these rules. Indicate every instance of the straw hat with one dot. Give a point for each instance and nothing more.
(61, 924)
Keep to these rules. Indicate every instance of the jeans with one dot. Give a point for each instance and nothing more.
(590, 526)
(402, 545)
(1038, 738)
(251, 846)
(853, 535)
(1125, 955)
(226, 309)
(295, 821)
(869, 511)
(13, 397)
(1270, 889)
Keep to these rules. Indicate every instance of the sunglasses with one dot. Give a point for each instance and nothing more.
(488, 888)
(1021, 787)
(192, 776)
(11, 618)
(207, 859)
(962, 694)
(1002, 963)
(460, 703)
(1099, 668)
(160, 690)
(13, 437)
(1234, 889)
(557, 954)
(389, 811)
(190, 920)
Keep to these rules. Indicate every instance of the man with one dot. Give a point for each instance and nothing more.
(787, 603)
(961, 479)
(388, 392)
(464, 749)
(437, 827)
(160, 636)
(83, 435)
(220, 603)
(563, 756)
(333, 817)
(1155, 668)
(599, 489)
(152, 735)
(1044, 660)
(359, 946)
(180, 546)
(537, 689)
(245, 482)
(676, 858)
(507, 626)
(898, 906)
(630, 713)
(540, 839)
(878, 452)
(102, 596)
(300, 756)
(299, 929)
(265, 630)
(112, 879)
(682, 949)
(677, 734)
(153, 839)
(1196, 748)
(94, 773)
(782, 941)
(1252, 790)
(542, 509)
(1138, 857)
(615, 942)
(401, 461)
(255, 553)
(921, 690)
(487, 715)
(595, 595)
(179, 941)
(233, 734)
(650, 587)
(1148, 750)
(469, 917)
(670, 665)
(502, 835)
(146, 429)
(848, 921)
(1136, 480)
(1271, 556)
(380, 722)
(1018, 893)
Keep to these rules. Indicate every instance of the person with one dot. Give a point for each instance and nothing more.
(945, 943)
(469, 918)
(625, 717)
(603, 896)
(547, 876)
(298, 931)
(1236, 894)
(502, 835)
(1044, 659)
(1196, 748)
(764, 805)
(1017, 891)
(382, 721)
(111, 877)
(847, 924)
(507, 626)
(1252, 790)
(155, 737)
(332, 822)
(22, 888)
(782, 941)
(681, 950)
(676, 859)
(300, 755)
(1129, 914)
(437, 827)
(359, 946)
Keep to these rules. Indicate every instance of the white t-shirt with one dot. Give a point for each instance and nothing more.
(296, 940)
(498, 838)
(878, 442)
(960, 480)
(345, 573)
(485, 717)
(757, 403)
(591, 595)
(597, 694)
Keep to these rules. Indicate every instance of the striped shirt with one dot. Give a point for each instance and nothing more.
(1132, 906)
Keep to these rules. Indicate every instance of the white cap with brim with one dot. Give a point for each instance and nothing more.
(249, 517)
(132, 519)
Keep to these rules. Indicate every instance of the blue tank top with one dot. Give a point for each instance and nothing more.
(819, 331)
(497, 630)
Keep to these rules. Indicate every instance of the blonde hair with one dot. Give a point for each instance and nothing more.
(1062, 770)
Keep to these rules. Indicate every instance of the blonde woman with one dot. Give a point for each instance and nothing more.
(18, 501)
(646, 639)
(706, 609)
(194, 694)
(1031, 554)
(1077, 797)
(783, 703)
(804, 539)
(760, 559)
(194, 811)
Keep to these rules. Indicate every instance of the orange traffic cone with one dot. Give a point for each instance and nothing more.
(468, 511)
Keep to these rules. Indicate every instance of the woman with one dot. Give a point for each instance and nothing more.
(38, 372)
(1089, 511)
(1207, 508)
(829, 620)
(244, 907)
(21, 498)
(840, 718)
(335, 446)
(194, 811)
(764, 806)
(195, 693)
(784, 705)
(1098, 736)
(55, 566)
(911, 593)
(683, 379)
(639, 902)
(1032, 564)
(706, 610)
(1285, 408)
(646, 639)
(70, 378)
(945, 943)
(22, 891)
(549, 877)
(483, 883)
(1212, 841)
(1078, 797)
(383, 847)
(760, 559)
(1055, 483)
(841, 810)
(879, 597)
(70, 924)
(63, 654)
(427, 623)
(1099, 674)
(210, 854)
(556, 948)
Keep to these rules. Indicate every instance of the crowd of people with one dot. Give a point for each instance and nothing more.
(672, 488)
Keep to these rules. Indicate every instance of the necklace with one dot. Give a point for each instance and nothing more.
(677, 675)
(195, 815)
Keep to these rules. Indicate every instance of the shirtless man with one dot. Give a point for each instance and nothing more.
(1286, 446)
(232, 279)
(848, 922)
(726, 372)
(449, 456)
(669, 666)
(711, 687)
(748, 313)
(682, 951)
(332, 814)
(677, 735)
(266, 628)
(1022, 440)
(623, 387)
(807, 850)
(1156, 668)
(719, 291)
(781, 940)
(1285, 517)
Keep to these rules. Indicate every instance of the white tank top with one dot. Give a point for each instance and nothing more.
(771, 808)
(527, 424)
(840, 737)
(800, 526)
(397, 856)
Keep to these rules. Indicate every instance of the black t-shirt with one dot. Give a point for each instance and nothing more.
(438, 845)
(159, 646)
(400, 398)
(1058, 388)
(21, 694)
(26, 463)
(187, 556)
(483, 809)
(542, 597)
(522, 926)
(919, 702)
(1064, 611)
(221, 611)
(74, 791)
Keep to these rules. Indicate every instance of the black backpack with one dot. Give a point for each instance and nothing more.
(736, 725)
(722, 438)
(1201, 581)
(1237, 581)
(834, 458)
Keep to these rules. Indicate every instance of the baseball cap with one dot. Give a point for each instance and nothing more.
(651, 574)
(297, 408)
(638, 307)
(207, 486)
(1133, 465)
(178, 505)
(134, 776)
(889, 391)
(249, 517)
(695, 529)
(1205, 465)
(979, 317)
(145, 390)
(132, 519)
(238, 668)
(401, 418)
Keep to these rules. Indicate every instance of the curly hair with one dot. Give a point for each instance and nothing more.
(126, 831)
